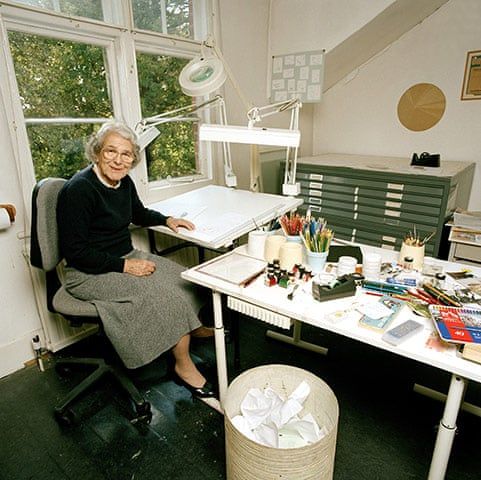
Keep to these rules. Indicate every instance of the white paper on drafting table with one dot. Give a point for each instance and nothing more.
(178, 210)
(215, 229)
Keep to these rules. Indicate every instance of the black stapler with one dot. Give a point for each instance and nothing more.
(426, 160)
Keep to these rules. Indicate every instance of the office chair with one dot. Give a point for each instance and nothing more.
(45, 254)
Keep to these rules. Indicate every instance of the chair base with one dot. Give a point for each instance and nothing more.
(65, 416)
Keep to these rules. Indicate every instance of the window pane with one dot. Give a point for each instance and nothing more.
(59, 78)
(85, 8)
(58, 151)
(173, 17)
(174, 151)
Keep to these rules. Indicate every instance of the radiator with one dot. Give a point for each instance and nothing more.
(262, 314)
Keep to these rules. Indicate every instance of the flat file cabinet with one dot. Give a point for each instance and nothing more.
(378, 200)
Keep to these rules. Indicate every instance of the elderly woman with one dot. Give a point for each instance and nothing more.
(145, 306)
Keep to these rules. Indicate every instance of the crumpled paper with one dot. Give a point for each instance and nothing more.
(269, 419)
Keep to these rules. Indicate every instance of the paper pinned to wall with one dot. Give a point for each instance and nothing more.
(297, 75)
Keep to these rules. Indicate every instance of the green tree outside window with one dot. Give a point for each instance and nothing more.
(59, 78)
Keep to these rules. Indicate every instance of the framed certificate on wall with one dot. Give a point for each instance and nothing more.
(472, 77)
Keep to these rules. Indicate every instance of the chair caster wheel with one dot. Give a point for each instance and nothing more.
(65, 418)
(144, 413)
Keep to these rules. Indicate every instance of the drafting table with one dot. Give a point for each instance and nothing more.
(271, 305)
(221, 214)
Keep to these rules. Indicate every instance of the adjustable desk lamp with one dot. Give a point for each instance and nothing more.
(146, 129)
(289, 138)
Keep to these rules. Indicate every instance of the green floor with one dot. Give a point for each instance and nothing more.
(386, 431)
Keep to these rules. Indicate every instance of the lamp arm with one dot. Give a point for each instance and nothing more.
(256, 114)
(172, 120)
(186, 114)
(187, 109)
(289, 186)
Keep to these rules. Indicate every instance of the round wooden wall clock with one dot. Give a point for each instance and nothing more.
(421, 107)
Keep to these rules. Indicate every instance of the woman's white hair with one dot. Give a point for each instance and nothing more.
(96, 141)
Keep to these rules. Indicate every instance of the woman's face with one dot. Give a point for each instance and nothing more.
(115, 158)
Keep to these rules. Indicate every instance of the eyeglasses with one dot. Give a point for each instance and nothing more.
(111, 154)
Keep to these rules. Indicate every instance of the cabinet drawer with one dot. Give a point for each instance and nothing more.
(392, 214)
(468, 252)
(326, 187)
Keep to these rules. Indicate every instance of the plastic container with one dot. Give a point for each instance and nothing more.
(316, 260)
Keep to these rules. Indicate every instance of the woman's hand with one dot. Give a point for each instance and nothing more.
(138, 267)
(175, 223)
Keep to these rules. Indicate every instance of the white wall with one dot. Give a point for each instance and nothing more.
(303, 25)
(243, 41)
(19, 319)
(359, 114)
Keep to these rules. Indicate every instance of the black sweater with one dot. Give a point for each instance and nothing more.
(93, 222)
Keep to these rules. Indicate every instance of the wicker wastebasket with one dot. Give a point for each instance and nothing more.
(249, 460)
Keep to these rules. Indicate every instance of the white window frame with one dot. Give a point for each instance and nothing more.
(120, 43)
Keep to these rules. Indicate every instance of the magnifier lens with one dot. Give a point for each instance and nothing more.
(201, 74)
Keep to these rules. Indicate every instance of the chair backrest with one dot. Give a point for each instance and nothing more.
(45, 254)
(44, 243)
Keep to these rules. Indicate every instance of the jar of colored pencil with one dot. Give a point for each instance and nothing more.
(317, 240)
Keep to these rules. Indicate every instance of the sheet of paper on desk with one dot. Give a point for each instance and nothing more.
(234, 267)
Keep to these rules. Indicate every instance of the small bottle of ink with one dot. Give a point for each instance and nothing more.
(307, 275)
(284, 280)
(408, 264)
(439, 280)
(270, 280)
(300, 272)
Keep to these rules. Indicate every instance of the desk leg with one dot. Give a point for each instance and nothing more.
(220, 353)
(296, 339)
(447, 428)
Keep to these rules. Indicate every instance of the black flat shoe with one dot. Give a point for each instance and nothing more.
(206, 391)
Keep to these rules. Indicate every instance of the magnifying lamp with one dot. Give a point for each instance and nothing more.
(207, 73)
(202, 75)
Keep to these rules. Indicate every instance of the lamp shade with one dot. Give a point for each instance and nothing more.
(147, 136)
(251, 135)
(202, 75)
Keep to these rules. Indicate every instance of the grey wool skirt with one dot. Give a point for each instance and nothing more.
(142, 316)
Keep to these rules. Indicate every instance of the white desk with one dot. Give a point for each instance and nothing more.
(272, 301)
(222, 215)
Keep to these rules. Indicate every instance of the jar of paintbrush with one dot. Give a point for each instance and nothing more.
(412, 249)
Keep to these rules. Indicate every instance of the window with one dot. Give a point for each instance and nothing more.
(72, 80)
(173, 153)
(171, 17)
(85, 8)
(59, 79)
(164, 16)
